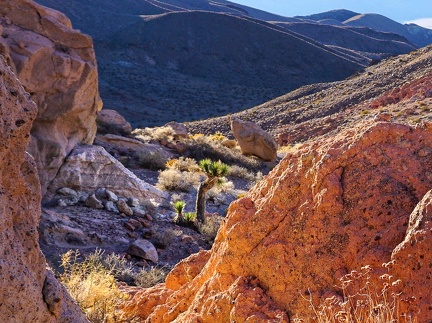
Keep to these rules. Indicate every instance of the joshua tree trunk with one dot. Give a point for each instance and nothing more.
(201, 197)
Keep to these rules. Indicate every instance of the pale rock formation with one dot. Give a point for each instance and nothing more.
(253, 140)
(329, 207)
(118, 146)
(29, 292)
(88, 168)
(112, 122)
(57, 66)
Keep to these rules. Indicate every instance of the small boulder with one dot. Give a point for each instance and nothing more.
(111, 196)
(67, 192)
(110, 121)
(133, 202)
(253, 140)
(111, 207)
(124, 208)
(143, 249)
(179, 130)
(93, 202)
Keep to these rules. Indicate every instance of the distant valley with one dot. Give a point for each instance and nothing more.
(190, 60)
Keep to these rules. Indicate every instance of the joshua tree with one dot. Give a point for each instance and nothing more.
(179, 207)
(214, 171)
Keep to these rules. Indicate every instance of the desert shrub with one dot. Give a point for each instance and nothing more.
(210, 226)
(175, 180)
(363, 300)
(189, 217)
(151, 160)
(203, 147)
(183, 164)
(167, 236)
(92, 286)
(241, 172)
(154, 134)
(223, 187)
(218, 137)
(151, 277)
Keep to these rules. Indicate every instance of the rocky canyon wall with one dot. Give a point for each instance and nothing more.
(57, 67)
(29, 292)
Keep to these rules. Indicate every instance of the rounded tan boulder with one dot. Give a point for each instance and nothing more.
(253, 140)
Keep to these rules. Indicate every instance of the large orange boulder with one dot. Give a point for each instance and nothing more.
(56, 65)
(328, 208)
(29, 292)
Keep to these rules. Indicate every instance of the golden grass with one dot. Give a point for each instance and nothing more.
(362, 301)
(92, 286)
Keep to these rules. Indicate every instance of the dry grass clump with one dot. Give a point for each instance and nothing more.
(211, 226)
(183, 164)
(241, 172)
(224, 186)
(151, 160)
(92, 282)
(92, 286)
(175, 180)
(363, 300)
(154, 134)
(149, 278)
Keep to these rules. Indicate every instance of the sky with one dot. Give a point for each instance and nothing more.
(403, 11)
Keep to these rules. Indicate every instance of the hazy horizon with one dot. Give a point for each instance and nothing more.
(416, 11)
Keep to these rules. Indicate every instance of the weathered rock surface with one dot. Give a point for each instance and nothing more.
(29, 293)
(57, 66)
(110, 121)
(328, 208)
(253, 140)
(412, 259)
(89, 168)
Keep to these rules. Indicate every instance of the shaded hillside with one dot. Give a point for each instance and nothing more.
(367, 42)
(170, 60)
(319, 108)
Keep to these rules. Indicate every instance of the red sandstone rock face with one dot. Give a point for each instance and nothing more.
(329, 208)
(57, 66)
(28, 293)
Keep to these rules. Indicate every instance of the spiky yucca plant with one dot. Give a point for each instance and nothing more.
(214, 171)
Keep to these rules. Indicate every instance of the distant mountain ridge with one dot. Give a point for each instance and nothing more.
(418, 35)
(183, 60)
